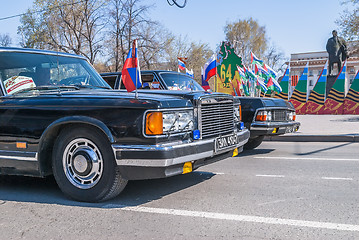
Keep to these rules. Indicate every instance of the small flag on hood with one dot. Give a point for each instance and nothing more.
(131, 74)
(189, 72)
(205, 84)
(181, 64)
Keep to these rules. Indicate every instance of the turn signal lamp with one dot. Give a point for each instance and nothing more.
(240, 112)
(292, 116)
(261, 116)
(264, 116)
(154, 123)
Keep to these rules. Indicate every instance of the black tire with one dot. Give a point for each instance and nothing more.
(253, 143)
(84, 166)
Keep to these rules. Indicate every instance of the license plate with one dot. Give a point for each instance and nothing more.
(289, 130)
(225, 142)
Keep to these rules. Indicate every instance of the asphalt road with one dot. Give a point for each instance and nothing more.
(282, 190)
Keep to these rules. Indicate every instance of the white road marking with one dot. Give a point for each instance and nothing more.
(239, 218)
(337, 178)
(273, 176)
(218, 173)
(272, 202)
(315, 159)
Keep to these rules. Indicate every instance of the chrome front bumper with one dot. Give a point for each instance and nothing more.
(273, 128)
(165, 155)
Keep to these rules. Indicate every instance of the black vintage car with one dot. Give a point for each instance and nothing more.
(267, 117)
(262, 116)
(58, 116)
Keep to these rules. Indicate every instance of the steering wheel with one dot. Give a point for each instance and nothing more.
(78, 80)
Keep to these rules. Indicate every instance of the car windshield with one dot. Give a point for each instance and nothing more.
(177, 81)
(22, 71)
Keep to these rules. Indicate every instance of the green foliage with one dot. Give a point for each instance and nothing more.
(349, 22)
(247, 36)
(65, 25)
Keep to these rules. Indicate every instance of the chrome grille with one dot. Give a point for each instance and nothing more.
(216, 117)
(279, 115)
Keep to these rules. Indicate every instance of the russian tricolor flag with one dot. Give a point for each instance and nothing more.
(181, 65)
(210, 67)
(131, 74)
(205, 84)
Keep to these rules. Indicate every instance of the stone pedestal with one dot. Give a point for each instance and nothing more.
(330, 83)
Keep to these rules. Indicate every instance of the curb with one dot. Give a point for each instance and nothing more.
(314, 138)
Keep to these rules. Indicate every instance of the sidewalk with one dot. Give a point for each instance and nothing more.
(323, 128)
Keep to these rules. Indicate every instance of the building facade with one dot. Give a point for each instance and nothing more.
(316, 62)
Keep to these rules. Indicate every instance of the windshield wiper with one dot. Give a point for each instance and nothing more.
(90, 86)
(48, 87)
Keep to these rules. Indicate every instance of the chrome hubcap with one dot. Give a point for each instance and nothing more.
(82, 163)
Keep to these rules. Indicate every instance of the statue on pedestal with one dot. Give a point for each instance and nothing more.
(337, 50)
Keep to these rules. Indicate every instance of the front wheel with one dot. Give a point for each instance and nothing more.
(253, 142)
(84, 166)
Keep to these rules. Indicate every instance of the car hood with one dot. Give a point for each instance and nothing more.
(193, 96)
(256, 102)
(105, 97)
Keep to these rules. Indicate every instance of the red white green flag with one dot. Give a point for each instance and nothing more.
(317, 97)
(299, 96)
(284, 85)
(351, 101)
(334, 103)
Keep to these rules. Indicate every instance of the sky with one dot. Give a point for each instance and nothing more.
(292, 26)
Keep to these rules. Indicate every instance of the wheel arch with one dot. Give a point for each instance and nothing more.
(50, 134)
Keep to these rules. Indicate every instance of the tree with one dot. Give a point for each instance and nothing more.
(65, 25)
(274, 58)
(198, 54)
(178, 46)
(246, 36)
(128, 20)
(103, 30)
(32, 30)
(349, 23)
(5, 40)
(153, 41)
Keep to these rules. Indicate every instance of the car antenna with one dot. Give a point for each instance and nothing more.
(137, 64)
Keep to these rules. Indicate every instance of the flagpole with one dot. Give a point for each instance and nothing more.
(136, 93)
(215, 76)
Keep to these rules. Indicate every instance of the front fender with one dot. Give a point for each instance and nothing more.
(48, 138)
(79, 120)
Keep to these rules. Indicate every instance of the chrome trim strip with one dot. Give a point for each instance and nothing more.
(163, 162)
(272, 125)
(162, 147)
(263, 128)
(11, 155)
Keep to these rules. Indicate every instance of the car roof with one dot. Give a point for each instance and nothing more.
(142, 72)
(38, 51)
